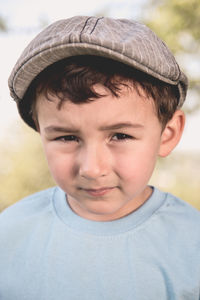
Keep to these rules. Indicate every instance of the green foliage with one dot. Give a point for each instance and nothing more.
(177, 22)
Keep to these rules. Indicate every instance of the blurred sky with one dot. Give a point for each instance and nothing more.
(25, 18)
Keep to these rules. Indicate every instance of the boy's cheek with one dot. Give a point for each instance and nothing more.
(139, 172)
(59, 165)
(60, 173)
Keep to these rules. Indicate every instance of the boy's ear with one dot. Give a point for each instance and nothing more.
(172, 133)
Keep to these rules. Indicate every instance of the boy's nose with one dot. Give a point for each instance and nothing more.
(94, 163)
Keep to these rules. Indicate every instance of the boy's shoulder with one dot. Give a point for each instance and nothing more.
(179, 219)
(181, 209)
(30, 206)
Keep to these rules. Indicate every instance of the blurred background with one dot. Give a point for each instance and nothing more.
(23, 169)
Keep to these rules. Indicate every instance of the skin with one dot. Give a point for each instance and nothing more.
(103, 153)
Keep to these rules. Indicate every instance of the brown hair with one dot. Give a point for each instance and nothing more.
(74, 78)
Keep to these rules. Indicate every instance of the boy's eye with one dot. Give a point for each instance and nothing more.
(121, 136)
(67, 138)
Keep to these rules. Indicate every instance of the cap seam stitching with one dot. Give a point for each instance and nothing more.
(96, 24)
(85, 24)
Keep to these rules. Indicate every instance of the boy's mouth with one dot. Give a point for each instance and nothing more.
(98, 192)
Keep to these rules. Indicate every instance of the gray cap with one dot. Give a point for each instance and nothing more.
(126, 41)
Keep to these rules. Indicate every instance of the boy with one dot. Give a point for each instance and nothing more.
(105, 96)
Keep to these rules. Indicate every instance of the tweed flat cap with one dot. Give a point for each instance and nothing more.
(126, 41)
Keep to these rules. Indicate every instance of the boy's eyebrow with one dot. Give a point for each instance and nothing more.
(121, 125)
(52, 128)
(116, 126)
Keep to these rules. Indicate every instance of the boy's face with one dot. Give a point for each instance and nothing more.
(101, 153)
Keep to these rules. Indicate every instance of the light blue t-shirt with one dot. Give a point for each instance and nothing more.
(47, 252)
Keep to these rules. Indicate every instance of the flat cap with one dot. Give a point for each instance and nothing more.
(123, 40)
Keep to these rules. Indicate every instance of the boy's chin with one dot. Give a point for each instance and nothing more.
(100, 209)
